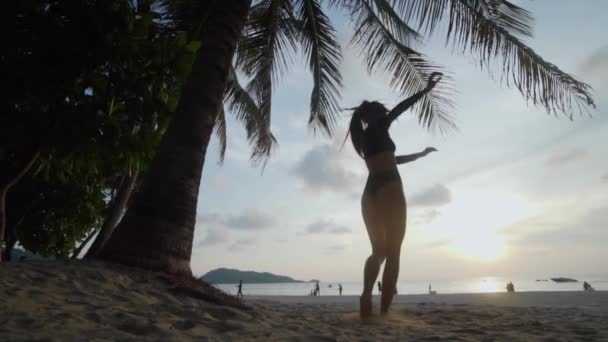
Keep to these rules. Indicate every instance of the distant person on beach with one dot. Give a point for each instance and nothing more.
(340, 289)
(240, 289)
(510, 287)
(318, 289)
(383, 201)
(587, 287)
(379, 287)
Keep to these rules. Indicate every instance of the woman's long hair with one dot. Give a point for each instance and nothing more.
(361, 115)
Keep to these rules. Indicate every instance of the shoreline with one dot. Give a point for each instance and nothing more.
(597, 299)
(71, 300)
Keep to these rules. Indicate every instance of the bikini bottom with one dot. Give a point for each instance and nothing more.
(376, 181)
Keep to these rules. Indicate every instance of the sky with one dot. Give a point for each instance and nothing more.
(514, 191)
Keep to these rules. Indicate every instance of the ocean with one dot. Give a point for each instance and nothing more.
(471, 285)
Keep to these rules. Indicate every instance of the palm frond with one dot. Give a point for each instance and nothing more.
(427, 13)
(489, 30)
(537, 80)
(514, 19)
(409, 69)
(220, 133)
(324, 54)
(184, 15)
(263, 147)
(240, 103)
(268, 43)
(394, 23)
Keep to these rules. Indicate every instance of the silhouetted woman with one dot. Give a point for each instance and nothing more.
(383, 202)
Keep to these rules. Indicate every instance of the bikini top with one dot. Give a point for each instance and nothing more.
(377, 139)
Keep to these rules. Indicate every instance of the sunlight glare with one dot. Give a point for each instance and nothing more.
(480, 247)
(490, 284)
(471, 222)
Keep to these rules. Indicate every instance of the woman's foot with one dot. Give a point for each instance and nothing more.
(385, 302)
(365, 306)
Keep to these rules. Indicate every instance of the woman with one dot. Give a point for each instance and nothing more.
(383, 202)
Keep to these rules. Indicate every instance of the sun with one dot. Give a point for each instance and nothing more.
(473, 220)
(480, 247)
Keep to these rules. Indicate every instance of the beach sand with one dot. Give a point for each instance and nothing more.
(95, 301)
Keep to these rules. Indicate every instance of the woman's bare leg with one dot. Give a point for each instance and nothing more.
(394, 212)
(374, 261)
(371, 272)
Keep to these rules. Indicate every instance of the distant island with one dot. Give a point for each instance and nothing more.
(232, 276)
(564, 280)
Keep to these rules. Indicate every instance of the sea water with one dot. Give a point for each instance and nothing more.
(470, 285)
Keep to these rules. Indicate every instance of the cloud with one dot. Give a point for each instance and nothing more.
(250, 219)
(327, 226)
(222, 183)
(596, 62)
(242, 244)
(438, 243)
(564, 156)
(427, 217)
(323, 168)
(595, 69)
(213, 237)
(247, 219)
(335, 249)
(434, 196)
(208, 217)
(585, 230)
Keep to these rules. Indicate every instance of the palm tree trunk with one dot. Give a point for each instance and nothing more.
(76, 253)
(157, 231)
(118, 206)
(4, 188)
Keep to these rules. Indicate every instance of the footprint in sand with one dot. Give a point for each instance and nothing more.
(139, 326)
(184, 324)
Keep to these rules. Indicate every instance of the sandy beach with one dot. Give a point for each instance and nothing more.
(94, 301)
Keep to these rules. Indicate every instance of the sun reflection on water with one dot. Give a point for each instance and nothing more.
(490, 284)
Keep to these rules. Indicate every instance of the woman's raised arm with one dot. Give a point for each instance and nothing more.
(410, 101)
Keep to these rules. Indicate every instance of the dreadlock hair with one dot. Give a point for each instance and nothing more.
(361, 116)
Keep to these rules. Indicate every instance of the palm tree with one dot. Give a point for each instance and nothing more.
(157, 231)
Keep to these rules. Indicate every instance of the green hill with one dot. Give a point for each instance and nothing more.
(232, 276)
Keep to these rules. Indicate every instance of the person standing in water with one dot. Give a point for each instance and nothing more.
(383, 201)
(340, 289)
(318, 289)
(379, 287)
(240, 289)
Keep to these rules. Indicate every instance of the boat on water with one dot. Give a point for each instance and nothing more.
(564, 280)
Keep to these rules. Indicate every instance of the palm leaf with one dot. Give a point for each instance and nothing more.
(409, 69)
(269, 41)
(324, 54)
(537, 80)
(427, 13)
(240, 103)
(514, 19)
(489, 31)
(220, 133)
(183, 15)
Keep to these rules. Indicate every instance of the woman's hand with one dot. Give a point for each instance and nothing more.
(429, 150)
(433, 80)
